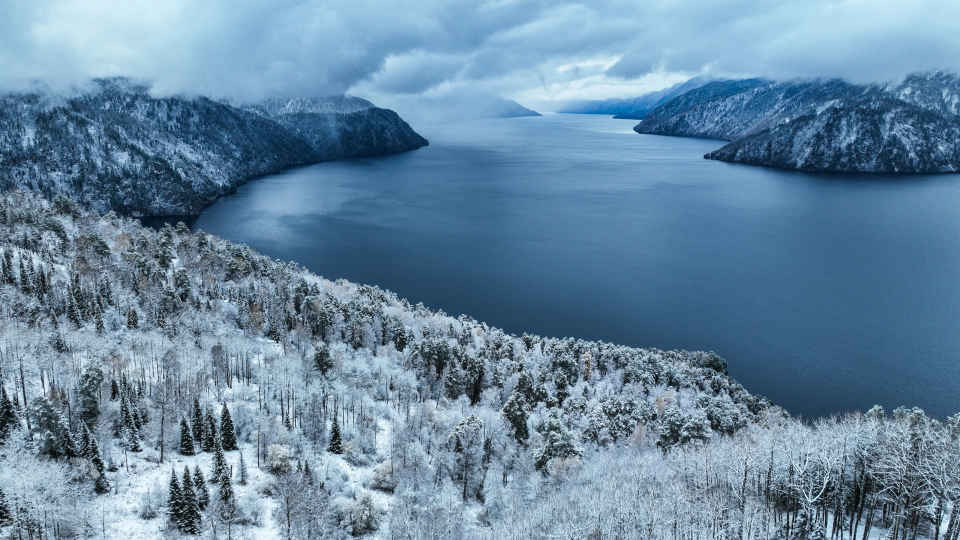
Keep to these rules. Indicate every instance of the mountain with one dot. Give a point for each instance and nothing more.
(460, 107)
(343, 126)
(823, 124)
(635, 108)
(117, 148)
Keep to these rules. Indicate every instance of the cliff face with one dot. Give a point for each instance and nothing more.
(823, 125)
(118, 148)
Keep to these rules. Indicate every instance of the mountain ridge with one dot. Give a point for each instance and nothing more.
(822, 124)
(117, 148)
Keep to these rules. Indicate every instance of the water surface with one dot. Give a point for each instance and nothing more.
(825, 293)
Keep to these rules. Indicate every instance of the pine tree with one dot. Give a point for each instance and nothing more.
(92, 451)
(243, 471)
(6, 517)
(101, 328)
(558, 443)
(671, 424)
(210, 434)
(336, 445)
(227, 501)
(101, 485)
(25, 285)
(322, 360)
(186, 438)
(73, 312)
(307, 473)
(8, 414)
(220, 468)
(54, 439)
(198, 422)
(228, 435)
(515, 412)
(190, 522)
(89, 390)
(114, 390)
(42, 285)
(133, 320)
(175, 501)
(203, 495)
(129, 433)
(8, 267)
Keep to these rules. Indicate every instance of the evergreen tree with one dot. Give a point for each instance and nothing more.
(8, 414)
(89, 393)
(515, 412)
(114, 390)
(307, 473)
(90, 448)
(671, 424)
(228, 435)
(322, 360)
(133, 320)
(696, 428)
(73, 312)
(243, 471)
(220, 468)
(175, 501)
(129, 433)
(8, 267)
(101, 328)
(210, 435)
(25, 285)
(227, 501)
(198, 423)
(336, 444)
(203, 495)
(50, 426)
(186, 438)
(190, 522)
(6, 516)
(42, 286)
(558, 443)
(101, 485)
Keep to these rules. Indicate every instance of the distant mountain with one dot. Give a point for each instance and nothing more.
(460, 108)
(115, 147)
(823, 124)
(635, 108)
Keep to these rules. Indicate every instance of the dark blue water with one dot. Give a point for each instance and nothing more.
(825, 293)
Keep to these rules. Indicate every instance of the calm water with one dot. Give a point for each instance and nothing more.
(824, 293)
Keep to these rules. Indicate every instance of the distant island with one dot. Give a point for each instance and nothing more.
(817, 124)
(115, 147)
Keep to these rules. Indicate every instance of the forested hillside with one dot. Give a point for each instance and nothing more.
(167, 384)
(116, 147)
(823, 125)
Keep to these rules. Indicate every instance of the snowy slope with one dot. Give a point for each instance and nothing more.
(118, 148)
(823, 125)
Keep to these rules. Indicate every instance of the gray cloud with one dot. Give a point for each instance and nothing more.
(523, 49)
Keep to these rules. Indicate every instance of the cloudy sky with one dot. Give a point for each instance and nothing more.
(536, 52)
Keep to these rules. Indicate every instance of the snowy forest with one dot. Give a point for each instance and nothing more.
(171, 384)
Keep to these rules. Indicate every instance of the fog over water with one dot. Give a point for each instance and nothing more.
(824, 292)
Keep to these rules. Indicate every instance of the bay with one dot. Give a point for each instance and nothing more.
(824, 292)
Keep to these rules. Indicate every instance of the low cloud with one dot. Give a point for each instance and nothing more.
(532, 51)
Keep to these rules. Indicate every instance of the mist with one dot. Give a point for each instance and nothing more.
(534, 52)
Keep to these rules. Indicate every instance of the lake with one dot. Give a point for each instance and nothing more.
(824, 292)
